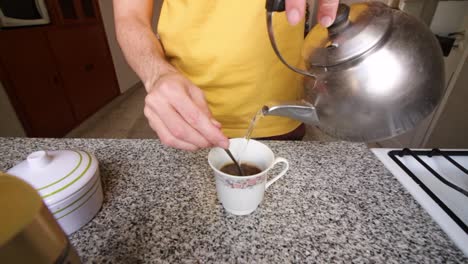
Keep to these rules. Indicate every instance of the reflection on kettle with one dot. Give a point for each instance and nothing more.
(382, 78)
(374, 74)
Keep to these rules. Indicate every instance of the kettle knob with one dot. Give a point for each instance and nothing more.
(275, 5)
(341, 20)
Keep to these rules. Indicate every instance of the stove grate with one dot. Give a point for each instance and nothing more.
(437, 151)
(394, 154)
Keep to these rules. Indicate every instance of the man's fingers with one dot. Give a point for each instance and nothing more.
(176, 125)
(327, 12)
(295, 11)
(216, 123)
(199, 99)
(199, 121)
(163, 133)
(178, 112)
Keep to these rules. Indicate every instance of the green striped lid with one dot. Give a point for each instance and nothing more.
(57, 174)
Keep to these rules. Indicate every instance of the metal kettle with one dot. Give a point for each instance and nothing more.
(374, 74)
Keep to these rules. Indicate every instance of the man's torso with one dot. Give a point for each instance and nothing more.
(223, 47)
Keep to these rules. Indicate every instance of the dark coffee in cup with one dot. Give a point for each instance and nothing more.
(248, 169)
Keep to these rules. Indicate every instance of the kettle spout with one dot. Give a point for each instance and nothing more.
(301, 111)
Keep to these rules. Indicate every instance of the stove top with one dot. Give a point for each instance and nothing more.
(438, 180)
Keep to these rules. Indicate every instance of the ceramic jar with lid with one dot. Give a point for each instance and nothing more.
(69, 183)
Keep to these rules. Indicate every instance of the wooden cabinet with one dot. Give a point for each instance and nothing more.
(86, 68)
(57, 75)
(33, 83)
(74, 12)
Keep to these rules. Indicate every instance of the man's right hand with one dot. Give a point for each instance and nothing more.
(177, 110)
(295, 10)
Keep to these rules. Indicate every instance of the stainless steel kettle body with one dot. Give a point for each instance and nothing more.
(374, 75)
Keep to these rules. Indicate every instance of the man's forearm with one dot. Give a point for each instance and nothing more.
(142, 49)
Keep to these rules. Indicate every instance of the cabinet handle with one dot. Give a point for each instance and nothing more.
(89, 67)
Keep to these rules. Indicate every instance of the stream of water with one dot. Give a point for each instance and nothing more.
(248, 134)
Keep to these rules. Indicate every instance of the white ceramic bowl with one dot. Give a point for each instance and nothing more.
(68, 182)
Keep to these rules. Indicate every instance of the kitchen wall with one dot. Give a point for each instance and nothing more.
(125, 75)
(10, 126)
(451, 130)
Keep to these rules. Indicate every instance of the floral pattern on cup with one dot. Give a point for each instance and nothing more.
(243, 183)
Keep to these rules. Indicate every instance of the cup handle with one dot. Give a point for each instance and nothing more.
(286, 168)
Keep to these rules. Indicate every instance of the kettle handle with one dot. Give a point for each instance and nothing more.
(279, 6)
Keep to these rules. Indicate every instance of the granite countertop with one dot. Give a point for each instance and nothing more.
(337, 203)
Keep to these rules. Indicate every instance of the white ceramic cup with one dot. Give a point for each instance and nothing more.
(241, 195)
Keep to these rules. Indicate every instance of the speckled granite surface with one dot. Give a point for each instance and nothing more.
(336, 204)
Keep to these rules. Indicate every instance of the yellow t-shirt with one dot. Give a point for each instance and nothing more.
(222, 46)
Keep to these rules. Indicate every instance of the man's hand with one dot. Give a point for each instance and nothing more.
(295, 11)
(178, 112)
(176, 109)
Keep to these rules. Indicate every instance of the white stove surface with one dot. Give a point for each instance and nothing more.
(455, 202)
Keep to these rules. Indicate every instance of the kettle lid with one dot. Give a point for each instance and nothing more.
(357, 29)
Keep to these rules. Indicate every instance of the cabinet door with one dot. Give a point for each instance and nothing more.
(75, 12)
(33, 84)
(86, 67)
